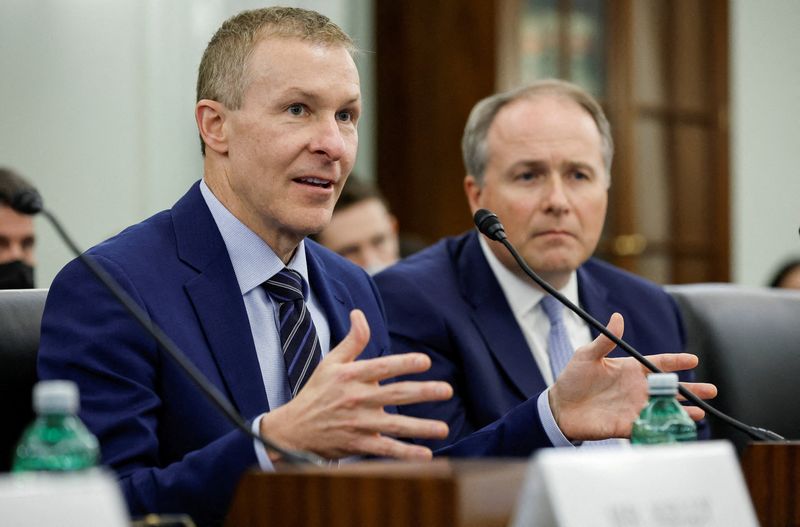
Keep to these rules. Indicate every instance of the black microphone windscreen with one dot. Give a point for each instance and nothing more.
(489, 225)
(27, 201)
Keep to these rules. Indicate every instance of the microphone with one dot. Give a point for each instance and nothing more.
(29, 201)
(26, 201)
(489, 225)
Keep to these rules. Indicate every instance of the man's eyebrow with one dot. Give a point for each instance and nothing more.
(305, 94)
(378, 238)
(348, 249)
(580, 164)
(528, 163)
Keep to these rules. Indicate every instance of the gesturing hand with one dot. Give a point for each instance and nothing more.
(339, 412)
(597, 397)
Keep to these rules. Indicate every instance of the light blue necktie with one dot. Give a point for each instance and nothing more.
(559, 348)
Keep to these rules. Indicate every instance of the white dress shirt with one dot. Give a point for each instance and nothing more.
(523, 297)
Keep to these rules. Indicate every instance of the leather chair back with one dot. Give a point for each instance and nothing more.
(20, 320)
(748, 341)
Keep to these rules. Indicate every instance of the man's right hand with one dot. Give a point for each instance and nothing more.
(339, 412)
(597, 397)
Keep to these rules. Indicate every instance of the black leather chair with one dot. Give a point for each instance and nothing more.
(748, 341)
(20, 318)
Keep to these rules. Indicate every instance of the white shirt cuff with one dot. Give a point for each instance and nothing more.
(549, 422)
(261, 451)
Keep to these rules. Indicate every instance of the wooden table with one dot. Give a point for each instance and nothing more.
(458, 493)
(381, 494)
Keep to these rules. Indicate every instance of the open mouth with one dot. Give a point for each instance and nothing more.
(314, 182)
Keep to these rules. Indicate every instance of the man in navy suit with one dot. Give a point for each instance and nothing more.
(540, 158)
(277, 107)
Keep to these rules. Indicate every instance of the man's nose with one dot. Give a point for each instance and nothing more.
(16, 251)
(556, 199)
(328, 139)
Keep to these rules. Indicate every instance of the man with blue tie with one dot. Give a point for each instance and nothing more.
(274, 320)
(540, 158)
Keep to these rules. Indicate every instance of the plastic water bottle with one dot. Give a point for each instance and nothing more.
(57, 440)
(663, 420)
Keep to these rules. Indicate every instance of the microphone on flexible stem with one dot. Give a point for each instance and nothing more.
(489, 225)
(29, 201)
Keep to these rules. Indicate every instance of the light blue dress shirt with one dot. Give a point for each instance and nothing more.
(253, 263)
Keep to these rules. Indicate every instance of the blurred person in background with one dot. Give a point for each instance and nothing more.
(17, 239)
(788, 275)
(362, 229)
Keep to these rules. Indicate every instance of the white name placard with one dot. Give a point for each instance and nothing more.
(82, 499)
(690, 484)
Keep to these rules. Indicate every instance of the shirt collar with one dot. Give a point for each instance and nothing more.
(521, 293)
(252, 259)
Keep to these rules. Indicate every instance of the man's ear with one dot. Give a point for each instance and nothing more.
(210, 117)
(473, 191)
(393, 222)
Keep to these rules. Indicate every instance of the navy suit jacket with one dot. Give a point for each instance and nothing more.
(445, 301)
(172, 450)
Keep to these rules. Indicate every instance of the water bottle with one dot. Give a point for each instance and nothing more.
(663, 420)
(57, 440)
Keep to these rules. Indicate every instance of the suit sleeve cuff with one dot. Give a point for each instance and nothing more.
(549, 422)
(261, 452)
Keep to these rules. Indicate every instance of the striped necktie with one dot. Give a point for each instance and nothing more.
(559, 348)
(301, 351)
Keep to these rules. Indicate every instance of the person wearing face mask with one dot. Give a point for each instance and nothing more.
(17, 239)
(362, 229)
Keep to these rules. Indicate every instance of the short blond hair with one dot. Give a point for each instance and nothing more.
(222, 75)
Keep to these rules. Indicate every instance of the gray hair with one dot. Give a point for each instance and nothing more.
(474, 145)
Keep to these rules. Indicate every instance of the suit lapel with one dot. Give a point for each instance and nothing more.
(594, 298)
(334, 298)
(215, 295)
(331, 293)
(493, 318)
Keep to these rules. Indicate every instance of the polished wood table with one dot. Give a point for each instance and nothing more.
(458, 493)
(381, 494)
(772, 472)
